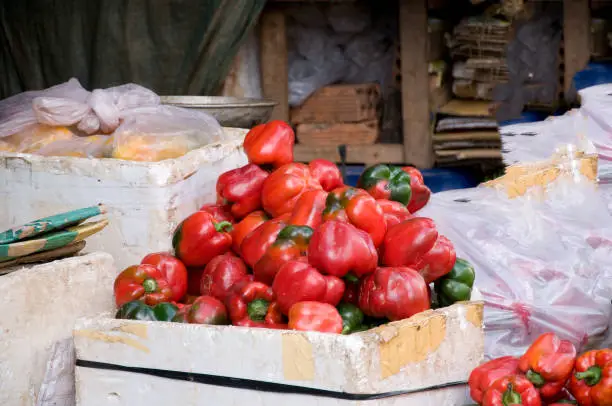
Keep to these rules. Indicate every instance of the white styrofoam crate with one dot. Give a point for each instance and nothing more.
(431, 349)
(39, 305)
(146, 200)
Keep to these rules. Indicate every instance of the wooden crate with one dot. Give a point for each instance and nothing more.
(326, 134)
(339, 104)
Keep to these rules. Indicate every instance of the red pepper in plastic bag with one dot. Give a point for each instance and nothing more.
(591, 383)
(326, 173)
(315, 316)
(415, 243)
(284, 187)
(486, 374)
(420, 192)
(394, 293)
(548, 363)
(240, 189)
(297, 281)
(512, 390)
(270, 144)
(337, 248)
(357, 207)
(199, 238)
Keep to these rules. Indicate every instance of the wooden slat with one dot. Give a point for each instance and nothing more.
(274, 62)
(355, 154)
(576, 35)
(418, 148)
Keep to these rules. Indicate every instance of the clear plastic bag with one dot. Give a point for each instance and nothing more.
(50, 122)
(543, 259)
(164, 132)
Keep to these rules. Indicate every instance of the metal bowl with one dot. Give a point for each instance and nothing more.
(229, 111)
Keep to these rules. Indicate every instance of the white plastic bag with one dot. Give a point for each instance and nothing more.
(543, 261)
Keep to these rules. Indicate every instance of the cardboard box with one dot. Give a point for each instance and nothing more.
(424, 361)
(339, 104)
(145, 200)
(40, 305)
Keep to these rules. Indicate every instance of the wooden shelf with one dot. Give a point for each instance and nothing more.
(355, 154)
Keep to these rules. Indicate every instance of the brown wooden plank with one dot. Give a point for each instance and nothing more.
(355, 154)
(274, 61)
(329, 134)
(576, 35)
(418, 148)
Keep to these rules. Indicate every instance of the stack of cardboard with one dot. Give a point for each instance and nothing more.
(465, 132)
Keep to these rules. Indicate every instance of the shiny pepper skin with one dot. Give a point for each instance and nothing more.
(270, 144)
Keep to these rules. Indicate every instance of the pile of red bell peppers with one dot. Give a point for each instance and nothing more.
(548, 374)
(288, 245)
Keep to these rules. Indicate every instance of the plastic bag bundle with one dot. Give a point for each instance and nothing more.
(540, 239)
(67, 120)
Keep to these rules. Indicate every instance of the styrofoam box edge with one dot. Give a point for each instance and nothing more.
(431, 348)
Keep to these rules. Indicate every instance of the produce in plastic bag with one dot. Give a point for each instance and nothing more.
(543, 257)
(32, 139)
(95, 146)
(164, 132)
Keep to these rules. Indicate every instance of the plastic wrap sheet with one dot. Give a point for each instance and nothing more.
(541, 242)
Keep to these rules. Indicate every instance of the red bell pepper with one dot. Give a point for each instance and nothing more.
(173, 271)
(297, 281)
(207, 310)
(221, 274)
(337, 248)
(351, 291)
(219, 212)
(394, 212)
(420, 192)
(199, 238)
(142, 282)
(291, 243)
(245, 226)
(512, 390)
(357, 207)
(255, 245)
(591, 383)
(548, 363)
(485, 375)
(284, 186)
(415, 243)
(181, 314)
(240, 189)
(251, 304)
(394, 293)
(315, 316)
(308, 209)
(270, 144)
(327, 173)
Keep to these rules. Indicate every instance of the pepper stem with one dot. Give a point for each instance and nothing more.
(350, 278)
(346, 329)
(223, 226)
(535, 378)
(591, 376)
(149, 285)
(510, 397)
(257, 309)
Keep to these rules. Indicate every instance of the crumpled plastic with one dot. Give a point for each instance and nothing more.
(141, 127)
(543, 257)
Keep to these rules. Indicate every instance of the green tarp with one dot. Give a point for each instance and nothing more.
(169, 46)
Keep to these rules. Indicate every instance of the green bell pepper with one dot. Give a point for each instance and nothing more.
(352, 318)
(386, 182)
(456, 286)
(137, 310)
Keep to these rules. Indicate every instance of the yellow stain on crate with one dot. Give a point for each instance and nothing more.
(298, 358)
(474, 314)
(411, 342)
(139, 330)
(108, 338)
